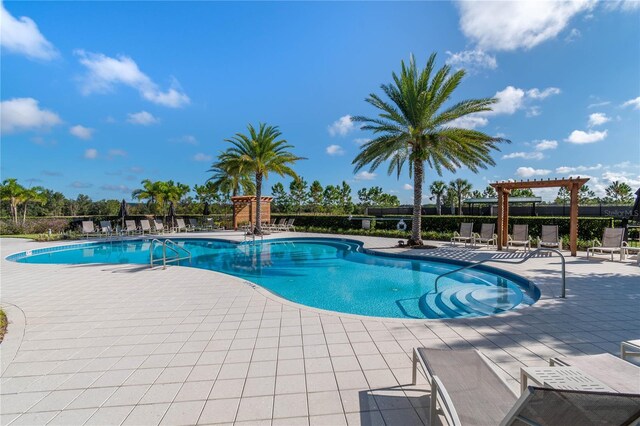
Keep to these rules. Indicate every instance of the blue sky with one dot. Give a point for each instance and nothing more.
(97, 96)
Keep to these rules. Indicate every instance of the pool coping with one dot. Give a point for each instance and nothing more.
(518, 279)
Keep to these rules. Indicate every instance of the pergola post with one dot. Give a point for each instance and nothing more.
(503, 217)
(573, 219)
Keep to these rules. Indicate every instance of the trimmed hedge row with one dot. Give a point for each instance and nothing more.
(588, 227)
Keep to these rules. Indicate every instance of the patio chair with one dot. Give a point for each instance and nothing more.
(465, 235)
(520, 237)
(193, 225)
(130, 227)
(159, 226)
(612, 242)
(487, 235)
(269, 226)
(288, 226)
(279, 226)
(145, 226)
(630, 348)
(616, 373)
(180, 226)
(106, 228)
(467, 391)
(550, 237)
(89, 229)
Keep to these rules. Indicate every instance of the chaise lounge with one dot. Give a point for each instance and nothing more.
(612, 242)
(465, 235)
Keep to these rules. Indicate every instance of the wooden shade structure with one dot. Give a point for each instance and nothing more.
(503, 189)
(244, 209)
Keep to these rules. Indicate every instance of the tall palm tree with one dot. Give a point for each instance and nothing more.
(619, 191)
(228, 179)
(12, 192)
(462, 188)
(260, 152)
(31, 195)
(414, 127)
(437, 189)
(152, 192)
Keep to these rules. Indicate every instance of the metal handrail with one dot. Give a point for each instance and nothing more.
(171, 245)
(524, 259)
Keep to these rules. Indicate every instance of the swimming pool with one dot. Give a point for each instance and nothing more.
(332, 274)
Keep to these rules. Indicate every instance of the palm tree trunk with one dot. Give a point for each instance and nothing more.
(258, 227)
(416, 223)
(459, 205)
(438, 204)
(24, 214)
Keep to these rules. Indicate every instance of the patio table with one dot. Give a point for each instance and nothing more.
(569, 378)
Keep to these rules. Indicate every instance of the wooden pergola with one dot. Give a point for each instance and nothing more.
(244, 209)
(503, 189)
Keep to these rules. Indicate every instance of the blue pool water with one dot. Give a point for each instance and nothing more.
(332, 274)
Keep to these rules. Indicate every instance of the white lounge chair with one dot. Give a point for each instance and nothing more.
(616, 373)
(550, 237)
(180, 226)
(612, 242)
(89, 229)
(487, 235)
(145, 226)
(520, 237)
(466, 390)
(279, 225)
(630, 348)
(288, 225)
(159, 226)
(106, 228)
(130, 227)
(465, 235)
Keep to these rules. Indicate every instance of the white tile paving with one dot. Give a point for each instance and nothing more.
(120, 344)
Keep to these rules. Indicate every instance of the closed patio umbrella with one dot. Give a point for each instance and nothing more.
(635, 211)
(205, 209)
(172, 214)
(122, 214)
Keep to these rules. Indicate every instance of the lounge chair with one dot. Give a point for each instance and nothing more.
(89, 229)
(106, 228)
(157, 223)
(193, 225)
(487, 235)
(630, 348)
(145, 226)
(468, 391)
(130, 227)
(288, 225)
(279, 226)
(616, 373)
(180, 226)
(269, 226)
(465, 235)
(612, 242)
(550, 237)
(520, 237)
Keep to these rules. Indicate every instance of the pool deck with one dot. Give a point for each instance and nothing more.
(125, 344)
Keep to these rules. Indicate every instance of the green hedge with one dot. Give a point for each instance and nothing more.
(588, 227)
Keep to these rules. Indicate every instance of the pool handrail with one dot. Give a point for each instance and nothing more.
(524, 259)
(171, 245)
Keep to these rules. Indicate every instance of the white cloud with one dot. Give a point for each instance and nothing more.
(573, 35)
(335, 150)
(509, 101)
(472, 60)
(624, 5)
(599, 104)
(635, 103)
(515, 25)
(527, 172)
(81, 132)
(143, 118)
(116, 188)
(543, 94)
(22, 114)
(598, 119)
(22, 36)
(581, 137)
(104, 72)
(471, 121)
(407, 187)
(361, 141)
(533, 111)
(117, 153)
(566, 169)
(80, 185)
(544, 145)
(188, 139)
(91, 154)
(342, 126)
(202, 157)
(364, 175)
(524, 155)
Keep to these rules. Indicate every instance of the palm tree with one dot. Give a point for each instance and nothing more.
(619, 192)
(462, 188)
(12, 191)
(230, 180)
(152, 192)
(259, 153)
(437, 189)
(414, 128)
(33, 195)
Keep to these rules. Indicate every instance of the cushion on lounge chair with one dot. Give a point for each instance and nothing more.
(478, 394)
